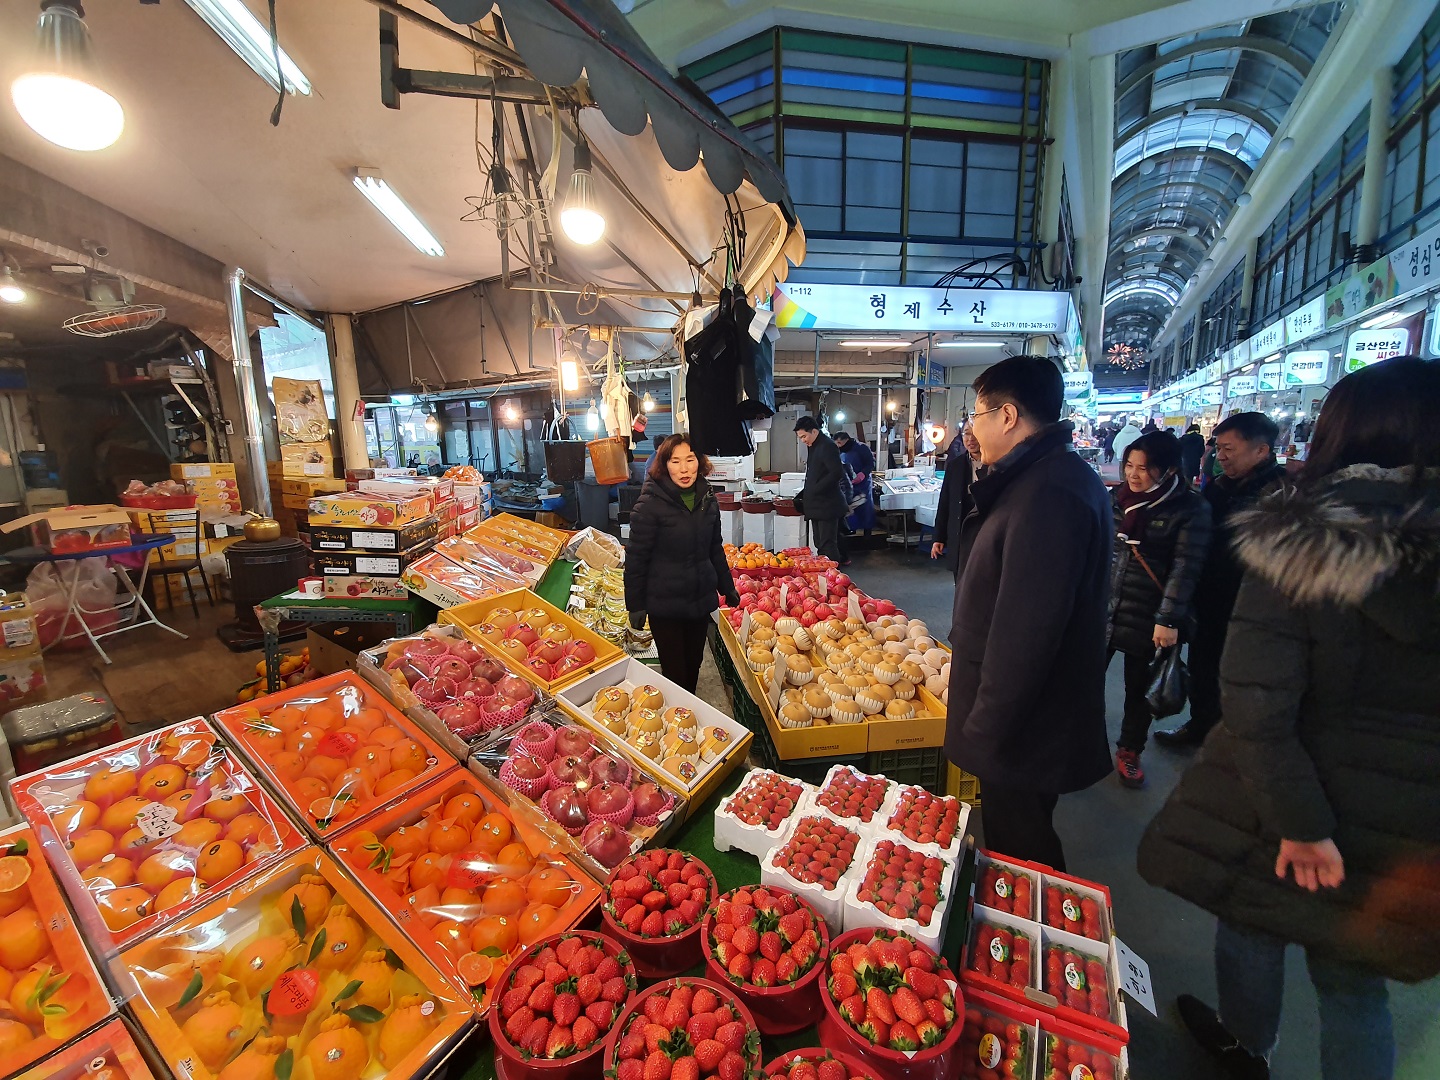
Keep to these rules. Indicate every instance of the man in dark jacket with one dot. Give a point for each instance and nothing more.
(1027, 678)
(962, 462)
(821, 499)
(1192, 449)
(1245, 449)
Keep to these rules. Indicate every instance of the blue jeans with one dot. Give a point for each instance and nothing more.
(1356, 1038)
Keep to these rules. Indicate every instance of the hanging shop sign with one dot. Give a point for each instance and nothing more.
(1236, 356)
(1240, 386)
(1210, 395)
(1308, 367)
(1359, 293)
(1271, 378)
(1305, 320)
(1269, 340)
(1416, 265)
(1079, 384)
(920, 311)
(1367, 347)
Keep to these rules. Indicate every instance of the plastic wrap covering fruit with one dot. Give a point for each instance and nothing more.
(994, 1044)
(558, 1003)
(855, 797)
(930, 823)
(1004, 1038)
(335, 749)
(756, 817)
(684, 1029)
(294, 973)
(654, 902)
(488, 555)
(817, 1063)
(1002, 951)
(532, 638)
(107, 1053)
(48, 983)
(522, 535)
(466, 885)
(902, 889)
(453, 688)
(141, 831)
(467, 580)
(773, 946)
(594, 803)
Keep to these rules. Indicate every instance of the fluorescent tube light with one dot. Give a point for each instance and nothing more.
(382, 196)
(1390, 318)
(887, 343)
(966, 343)
(250, 38)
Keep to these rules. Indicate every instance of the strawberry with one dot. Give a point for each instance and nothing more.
(763, 973)
(746, 940)
(630, 1069)
(685, 1068)
(723, 931)
(677, 1013)
(584, 1032)
(536, 1036)
(615, 989)
(677, 894)
(654, 900)
(770, 945)
(732, 1066)
(830, 1069)
(657, 1066)
(732, 1035)
(519, 1023)
(876, 1031)
(654, 1008)
(786, 970)
(704, 1001)
(653, 925)
(701, 1028)
(903, 1037)
(527, 975)
(608, 968)
(542, 998)
(937, 1012)
(583, 963)
(565, 951)
(633, 919)
(923, 983)
(655, 1034)
(787, 904)
(907, 1006)
(708, 1053)
(587, 988)
(742, 915)
(740, 966)
(929, 1033)
(803, 1070)
(803, 955)
(853, 1010)
(600, 1013)
(724, 1015)
(565, 1009)
(841, 964)
(561, 1042)
(690, 910)
(877, 1006)
(792, 926)
(921, 959)
(842, 986)
(632, 1043)
(862, 959)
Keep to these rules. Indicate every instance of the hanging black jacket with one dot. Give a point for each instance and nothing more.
(1331, 690)
(716, 362)
(675, 559)
(1027, 675)
(1176, 537)
(822, 498)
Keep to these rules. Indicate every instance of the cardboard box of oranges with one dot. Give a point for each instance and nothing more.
(468, 885)
(335, 750)
(138, 832)
(51, 989)
(107, 1053)
(296, 972)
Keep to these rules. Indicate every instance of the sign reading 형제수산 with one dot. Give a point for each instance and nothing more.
(1078, 384)
(1309, 367)
(1367, 347)
(919, 310)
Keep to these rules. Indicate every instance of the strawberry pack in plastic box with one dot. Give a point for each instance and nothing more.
(803, 865)
(1005, 1038)
(755, 818)
(860, 800)
(926, 822)
(903, 889)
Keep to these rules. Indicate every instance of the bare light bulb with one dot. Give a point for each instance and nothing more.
(58, 97)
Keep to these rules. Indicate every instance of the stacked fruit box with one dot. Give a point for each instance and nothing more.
(756, 817)
(1001, 1037)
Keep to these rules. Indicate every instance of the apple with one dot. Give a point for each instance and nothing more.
(884, 607)
(467, 651)
(515, 688)
(451, 667)
(567, 807)
(557, 632)
(427, 646)
(540, 668)
(808, 619)
(565, 666)
(515, 649)
(823, 612)
(606, 770)
(549, 651)
(479, 689)
(524, 634)
(527, 767)
(606, 844)
(580, 651)
(460, 715)
(487, 667)
(606, 798)
(573, 742)
(649, 800)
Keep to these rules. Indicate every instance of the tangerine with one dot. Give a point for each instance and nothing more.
(447, 837)
(90, 847)
(75, 817)
(325, 767)
(135, 844)
(332, 810)
(197, 833)
(466, 808)
(161, 781)
(344, 938)
(461, 903)
(505, 897)
(304, 739)
(110, 785)
(354, 782)
(386, 735)
(112, 870)
(535, 922)
(552, 887)
(406, 1029)
(309, 788)
(373, 758)
(219, 860)
(475, 968)
(258, 964)
(338, 1051)
(393, 781)
(408, 754)
(286, 718)
(123, 907)
(412, 839)
(494, 932)
(256, 1061)
(120, 815)
(184, 804)
(314, 898)
(216, 1031)
(453, 936)
(7, 983)
(13, 1036)
(430, 869)
(287, 765)
(65, 1015)
(367, 720)
(163, 868)
(492, 833)
(266, 738)
(374, 975)
(31, 992)
(179, 891)
(226, 807)
(325, 714)
(423, 902)
(514, 860)
(398, 878)
(248, 828)
(13, 901)
(164, 987)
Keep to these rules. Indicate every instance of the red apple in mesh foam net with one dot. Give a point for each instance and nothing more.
(549, 651)
(467, 650)
(606, 770)
(426, 646)
(487, 667)
(606, 798)
(581, 651)
(606, 844)
(451, 667)
(514, 687)
(524, 635)
(526, 767)
(573, 742)
(540, 668)
(570, 770)
(479, 689)
(437, 691)
(567, 807)
(460, 715)
(649, 800)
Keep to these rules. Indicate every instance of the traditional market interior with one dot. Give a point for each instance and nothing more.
(387, 691)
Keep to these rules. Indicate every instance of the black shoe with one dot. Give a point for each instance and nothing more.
(1204, 1024)
(1187, 734)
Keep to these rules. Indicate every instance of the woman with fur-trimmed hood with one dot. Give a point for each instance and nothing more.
(1312, 815)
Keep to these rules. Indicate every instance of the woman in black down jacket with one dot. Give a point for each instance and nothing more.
(1312, 814)
(1162, 532)
(675, 560)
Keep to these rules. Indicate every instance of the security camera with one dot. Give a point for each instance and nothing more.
(94, 247)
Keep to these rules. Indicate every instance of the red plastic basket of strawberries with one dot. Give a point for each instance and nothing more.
(891, 1003)
(558, 1001)
(684, 1029)
(654, 903)
(817, 1063)
(771, 946)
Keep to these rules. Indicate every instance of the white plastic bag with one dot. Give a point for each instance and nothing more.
(94, 597)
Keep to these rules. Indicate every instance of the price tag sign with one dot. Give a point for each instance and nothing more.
(157, 821)
(1135, 977)
(743, 634)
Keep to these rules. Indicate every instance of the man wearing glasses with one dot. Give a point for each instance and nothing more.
(1027, 678)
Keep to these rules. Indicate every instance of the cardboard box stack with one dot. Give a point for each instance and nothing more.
(213, 484)
(22, 668)
(365, 538)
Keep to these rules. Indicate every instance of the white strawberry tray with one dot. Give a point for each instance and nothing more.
(881, 816)
(757, 840)
(950, 852)
(860, 913)
(830, 903)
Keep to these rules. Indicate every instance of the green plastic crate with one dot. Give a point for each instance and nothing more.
(922, 767)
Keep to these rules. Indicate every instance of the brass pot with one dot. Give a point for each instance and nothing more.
(262, 530)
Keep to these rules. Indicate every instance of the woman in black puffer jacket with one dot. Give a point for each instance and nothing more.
(675, 560)
(1162, 533)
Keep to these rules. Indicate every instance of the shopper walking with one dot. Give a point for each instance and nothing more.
(1107, 442)
(962, 465)
(1162, 532)
(821, 500)
(1326, 767)
(1027, 679)
(1125, 436)
(1192, 449)
(1209, 467)
(675, 560)
(1245, 450)
(861, 460)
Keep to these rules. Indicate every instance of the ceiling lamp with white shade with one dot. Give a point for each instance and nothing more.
(59, 94)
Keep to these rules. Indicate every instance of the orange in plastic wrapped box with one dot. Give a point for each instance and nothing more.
(49, 984)
(467, 885)
(139, 832)
(335, 749)
(296, 972)
(107, 1053)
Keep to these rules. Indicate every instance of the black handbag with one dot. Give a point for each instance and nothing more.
(1169, 683)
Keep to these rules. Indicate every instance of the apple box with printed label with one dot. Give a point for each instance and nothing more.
(18, 635)
(69, 530)
(366, 562)
(375, 538)
(364, 511)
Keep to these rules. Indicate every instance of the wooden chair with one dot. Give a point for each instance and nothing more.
(165, 568)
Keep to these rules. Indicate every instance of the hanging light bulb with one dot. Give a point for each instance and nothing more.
(647, 403)
(510, 413)
(10, 290)
(569, 375)
(592, 418)
(432, 422)
(840, 417)
(581, 218)
(889, 406)
(58, 97)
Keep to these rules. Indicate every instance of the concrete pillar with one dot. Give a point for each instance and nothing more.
(349, 415)
(1058, 122)
(1247, 281)
(1372, 183)
(251, 424)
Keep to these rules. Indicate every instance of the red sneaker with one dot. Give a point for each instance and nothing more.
(1127, 764)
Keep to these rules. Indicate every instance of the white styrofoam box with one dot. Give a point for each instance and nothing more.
(830, 903)
(860, 913)
(984, 859)
(957, 842)
(733, 468)
(1107, 923)
(864, 828)
(731, 527)
(791, 484)
(758, 529)
(1104, 951)
(630, 673)
(1031, 930)
(790, 532)
(731, 832)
